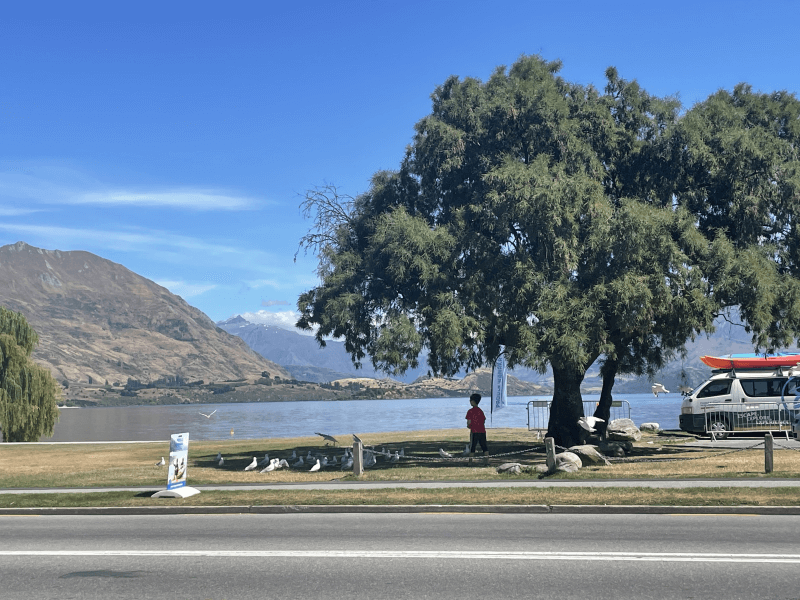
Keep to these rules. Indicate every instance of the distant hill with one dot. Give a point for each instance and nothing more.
(301, 354)
(96, 319)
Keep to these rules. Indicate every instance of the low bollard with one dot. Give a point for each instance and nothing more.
(550, 448)
(768, 448)
(358, 459)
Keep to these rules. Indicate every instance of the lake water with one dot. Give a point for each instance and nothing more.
(297, 419)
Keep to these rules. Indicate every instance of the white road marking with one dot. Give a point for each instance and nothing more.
(426, 554)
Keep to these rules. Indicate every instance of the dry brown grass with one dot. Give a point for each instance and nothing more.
(109, 465)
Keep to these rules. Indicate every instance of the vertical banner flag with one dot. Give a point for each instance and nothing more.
(499, 381)
(178, 460)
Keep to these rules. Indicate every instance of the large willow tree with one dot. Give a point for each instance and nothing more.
(28, 392)
(528, 212)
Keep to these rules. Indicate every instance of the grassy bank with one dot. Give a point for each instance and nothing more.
(116, 465)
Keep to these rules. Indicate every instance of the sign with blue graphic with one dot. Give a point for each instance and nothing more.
(178, 460)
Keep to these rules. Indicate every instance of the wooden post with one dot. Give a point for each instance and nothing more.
(550, 448)
(768, 447)
(358, 459)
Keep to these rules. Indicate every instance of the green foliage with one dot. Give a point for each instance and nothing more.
(563, 223)
(28, 392)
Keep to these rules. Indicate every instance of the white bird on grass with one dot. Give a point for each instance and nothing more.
(402, 451)
(299, 463)
(273, 464)
(659, 389)
(161, 463)
(333, 462)
(264, 460)
(283, 463)
(588, 423)
(220, 462)
(208, 416)
(466, 451)
(252, 465)
(347, 464)
(219, 456)
(316, 467)
(395, 457)
(328, 438)
(294, 455)
(444, 454)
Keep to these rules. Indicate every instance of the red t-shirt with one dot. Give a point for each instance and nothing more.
(476, 420)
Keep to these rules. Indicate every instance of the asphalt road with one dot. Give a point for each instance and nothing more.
(399, 556)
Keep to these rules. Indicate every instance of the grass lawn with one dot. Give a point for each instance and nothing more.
(110, 465)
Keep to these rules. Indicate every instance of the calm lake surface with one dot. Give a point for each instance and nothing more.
(296, 419)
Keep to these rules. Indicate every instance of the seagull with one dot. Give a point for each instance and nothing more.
(316, 467)
(282, 463)
(370, 460)
(219, 456)
(273, 464)
(264, 460)
(659, 389)
(161, 463)
(402, 451)
(444, 454)
(299, 463)
(294, 454)
(221, 462)
(357, 439)
(252, 465)
(309, 457)
(395, 457)
(588, 423)
(347, 464)
(328, 438)
(333, 461)
(466, 451)
(684, 389)
(208, 416)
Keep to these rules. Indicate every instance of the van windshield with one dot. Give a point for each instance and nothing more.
(716, 388)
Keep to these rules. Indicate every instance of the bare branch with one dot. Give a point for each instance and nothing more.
(330, 210)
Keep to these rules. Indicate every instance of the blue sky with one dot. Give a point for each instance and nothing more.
(177, 141)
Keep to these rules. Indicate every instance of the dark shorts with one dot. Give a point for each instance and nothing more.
(478, 438)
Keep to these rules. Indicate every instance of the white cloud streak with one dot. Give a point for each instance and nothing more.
(283, 319)
(185, 289)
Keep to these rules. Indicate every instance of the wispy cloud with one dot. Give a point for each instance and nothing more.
(69, 187)
(185, 289)
(13, 211)
(190, 199)
(274, 303)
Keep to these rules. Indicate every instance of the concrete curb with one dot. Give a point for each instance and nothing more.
(409, 509)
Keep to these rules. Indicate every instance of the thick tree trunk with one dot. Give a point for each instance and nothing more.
(603, 410)
(567, 407)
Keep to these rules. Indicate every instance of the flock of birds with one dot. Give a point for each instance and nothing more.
(317, 462)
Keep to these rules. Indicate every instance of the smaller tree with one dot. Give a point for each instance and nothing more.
(28, 392)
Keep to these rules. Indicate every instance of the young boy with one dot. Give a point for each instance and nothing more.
(475, 423)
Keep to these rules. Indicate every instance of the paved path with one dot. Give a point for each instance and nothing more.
(382, 485)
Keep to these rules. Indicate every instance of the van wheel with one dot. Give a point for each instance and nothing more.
(719, 427)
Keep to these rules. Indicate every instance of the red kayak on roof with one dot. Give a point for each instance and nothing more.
(751, 361)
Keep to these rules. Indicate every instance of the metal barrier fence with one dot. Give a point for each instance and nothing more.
(724, 418)
(539, 412)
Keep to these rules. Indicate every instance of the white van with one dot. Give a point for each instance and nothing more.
(747, 400)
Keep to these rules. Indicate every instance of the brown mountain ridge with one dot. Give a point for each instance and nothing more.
(96, 319)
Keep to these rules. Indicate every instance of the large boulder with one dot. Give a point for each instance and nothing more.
(654, 427)
(567, 462)
(589, 455)
(623, 430)
(615, 449)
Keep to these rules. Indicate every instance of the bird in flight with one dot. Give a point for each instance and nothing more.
(208, 416)
(659, 389)
(588, 423)
(328, 438)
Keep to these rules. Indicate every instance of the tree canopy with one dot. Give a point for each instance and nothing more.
(28, 392)
(533, 213)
